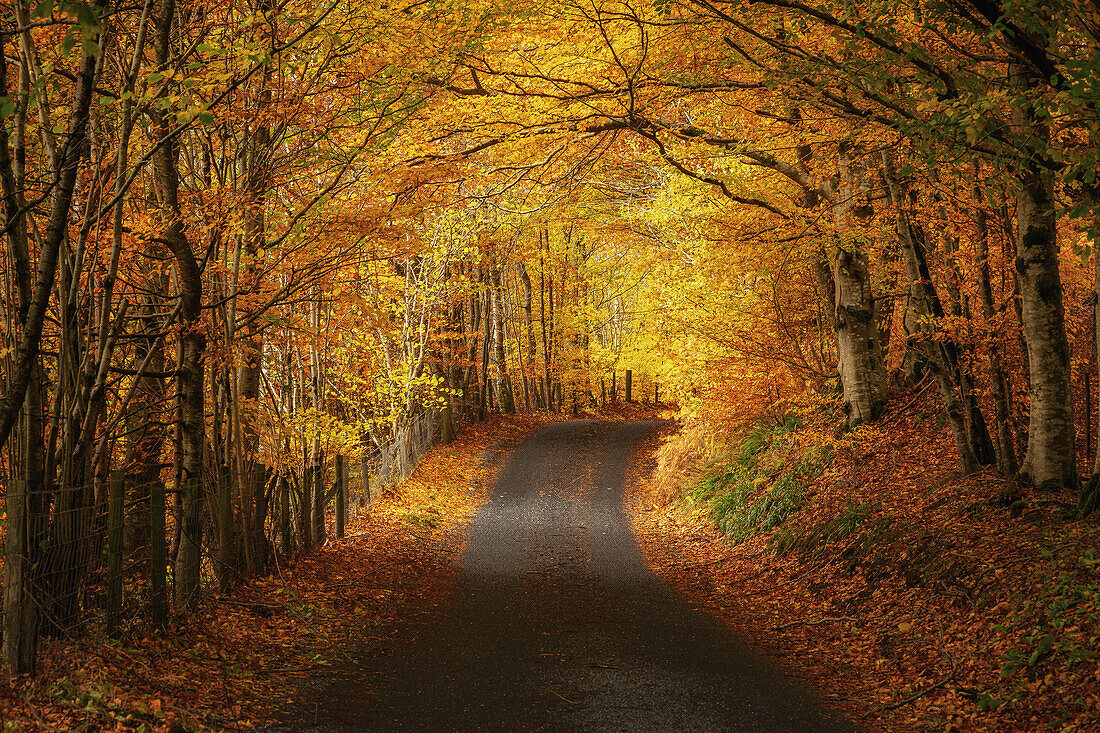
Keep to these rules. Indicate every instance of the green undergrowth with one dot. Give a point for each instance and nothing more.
(1055, 622)
(763, 483)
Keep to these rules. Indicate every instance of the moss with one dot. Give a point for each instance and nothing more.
(1049, 287)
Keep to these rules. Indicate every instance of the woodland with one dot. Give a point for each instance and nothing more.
(259, 255)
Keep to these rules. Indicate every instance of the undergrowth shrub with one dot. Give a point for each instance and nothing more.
(764, 484)
(811, 541)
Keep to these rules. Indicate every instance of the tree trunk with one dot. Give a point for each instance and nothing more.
(1051, 449)
(1007, 461)
(859, 359)
(528, 322)
(505, 396)
(259, 519)
(486, 341)
(319, 497)
(192, 341)
(56, 232)
(1090, 494)
(859, 356)
(20, 611)
(341, 495)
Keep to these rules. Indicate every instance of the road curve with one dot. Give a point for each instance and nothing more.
(556, 623)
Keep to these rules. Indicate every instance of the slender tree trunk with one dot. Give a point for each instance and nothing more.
(486, 340)
(192, 341)
(528, 322)
(505, 397)
(1007, 461)
(471, 381)
(1090, 494)
(57, 228)
(318, 475)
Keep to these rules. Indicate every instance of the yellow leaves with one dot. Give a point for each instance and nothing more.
(333, 434)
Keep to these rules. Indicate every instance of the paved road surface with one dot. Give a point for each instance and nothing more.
(557, 624)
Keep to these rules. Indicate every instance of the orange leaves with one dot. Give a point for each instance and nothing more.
(935, 609)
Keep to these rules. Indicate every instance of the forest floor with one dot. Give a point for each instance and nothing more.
(914, 599)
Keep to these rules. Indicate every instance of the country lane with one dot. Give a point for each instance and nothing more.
(556, 623)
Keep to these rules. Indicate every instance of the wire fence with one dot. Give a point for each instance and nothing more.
(400, 456)
(106, 554)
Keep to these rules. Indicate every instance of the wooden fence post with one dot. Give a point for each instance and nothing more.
(341, 496)
(225, 529)
(259, 519)
(446, 426)
(364, 493)
(285, 540)
(20, 614)
(158, 554)
(116, 495)
(319, 504)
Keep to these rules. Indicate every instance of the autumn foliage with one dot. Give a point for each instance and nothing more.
(261, 254)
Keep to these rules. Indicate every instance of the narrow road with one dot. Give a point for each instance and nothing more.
(556, 623)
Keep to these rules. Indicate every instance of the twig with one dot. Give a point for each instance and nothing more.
(918, 695)
(815, 623)
(901, 410)
(571, 702)
(37, 716)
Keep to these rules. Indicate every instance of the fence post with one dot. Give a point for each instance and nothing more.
(225, 521)
(341, 495)
(116, 494)
(629, 381)
(158, 554)
(284, 513)
(259, 519)
(447, 426)
(20, 614)
(319, 504)
(364, 487)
